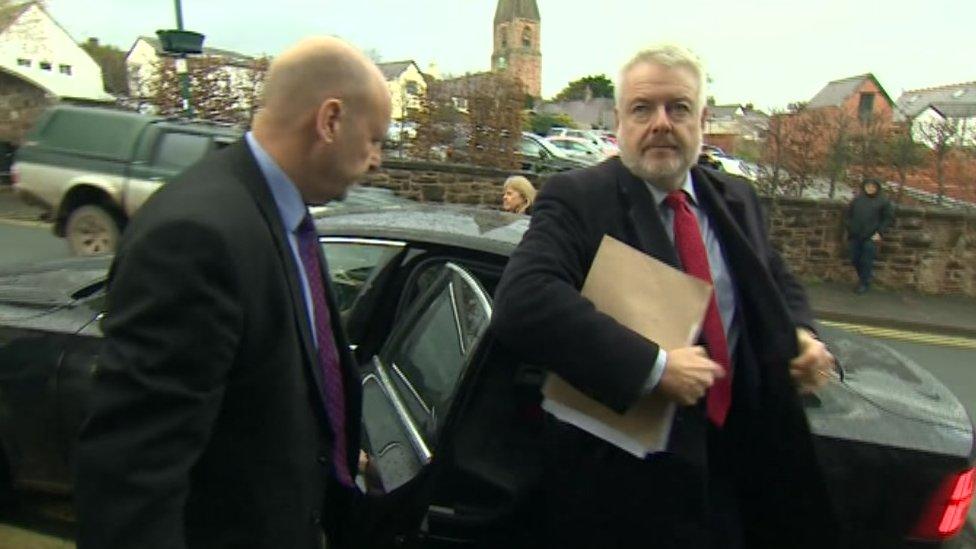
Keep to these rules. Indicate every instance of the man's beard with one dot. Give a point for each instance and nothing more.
(666, 175)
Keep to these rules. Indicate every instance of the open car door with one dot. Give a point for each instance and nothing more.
(409, 392)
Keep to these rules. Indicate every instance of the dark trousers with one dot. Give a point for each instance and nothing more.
(863, 252)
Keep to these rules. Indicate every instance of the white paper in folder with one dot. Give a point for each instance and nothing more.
(655, 300)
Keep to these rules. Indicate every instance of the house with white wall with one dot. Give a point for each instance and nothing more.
(147, 52)
(40, 63)
(927, 108)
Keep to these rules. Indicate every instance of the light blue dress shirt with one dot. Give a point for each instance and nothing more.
(292, 210)
(721, 278)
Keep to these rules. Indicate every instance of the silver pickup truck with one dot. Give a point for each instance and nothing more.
(92, 168)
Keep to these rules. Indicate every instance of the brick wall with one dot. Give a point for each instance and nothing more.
(926, 250)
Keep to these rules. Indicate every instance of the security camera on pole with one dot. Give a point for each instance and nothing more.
(179, 43)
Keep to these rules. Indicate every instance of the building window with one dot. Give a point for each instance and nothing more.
(65, 69)
(527, 37)
(45, 66)
(412, 88)
(21, 62)
(866, 108)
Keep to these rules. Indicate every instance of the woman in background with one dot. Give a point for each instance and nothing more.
(518, 196)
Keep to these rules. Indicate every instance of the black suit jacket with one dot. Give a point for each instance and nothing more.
(594, 486)
(208, 426)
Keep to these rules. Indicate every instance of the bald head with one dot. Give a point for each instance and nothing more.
(315, 69)
(325, 112)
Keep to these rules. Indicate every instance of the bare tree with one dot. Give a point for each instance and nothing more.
(872, 132)
(774, 152)
(496, 120)
(803, 154)
(942, 136)
(838, 130)
(476, 118)
(218, 91)
(903, 154)
(250, 87)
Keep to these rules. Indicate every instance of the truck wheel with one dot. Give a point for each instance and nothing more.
(92, 230)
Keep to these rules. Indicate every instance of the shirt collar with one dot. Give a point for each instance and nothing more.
(660, 195)
(288, 200)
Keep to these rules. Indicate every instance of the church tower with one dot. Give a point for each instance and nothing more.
(516, 43)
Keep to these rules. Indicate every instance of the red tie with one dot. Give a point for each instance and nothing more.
(691, 250)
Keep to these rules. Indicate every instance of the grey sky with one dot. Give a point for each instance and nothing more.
(769, 52)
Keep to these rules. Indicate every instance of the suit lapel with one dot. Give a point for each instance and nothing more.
(760, 301)
(250, 174)
(647, 231)
(727, 214)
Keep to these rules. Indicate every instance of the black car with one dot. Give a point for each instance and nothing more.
(451, 421)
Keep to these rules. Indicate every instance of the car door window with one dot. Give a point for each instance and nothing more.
(429, 359)
(177, 151)
(352, 262)
(419, 371)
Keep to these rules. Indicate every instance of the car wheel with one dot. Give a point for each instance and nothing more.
(92, 230)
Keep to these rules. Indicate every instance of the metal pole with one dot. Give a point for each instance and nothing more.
(179, 15)
(181, 66)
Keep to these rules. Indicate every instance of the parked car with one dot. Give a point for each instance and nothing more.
(712, 150)
(400, 131)
(607, 143)
(578, 148)
(539, 156)
(92, 168)
(452, 421)
(734, 166)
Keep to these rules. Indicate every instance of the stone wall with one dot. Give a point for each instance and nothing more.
(20, 105)
(438, 182)
(926, 250)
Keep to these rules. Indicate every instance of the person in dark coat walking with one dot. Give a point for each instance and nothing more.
(739, 470)
(868, 216)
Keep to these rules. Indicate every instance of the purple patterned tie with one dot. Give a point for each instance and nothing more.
(332, 384)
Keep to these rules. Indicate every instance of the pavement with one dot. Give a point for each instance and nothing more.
(13, 209)
(944, 315)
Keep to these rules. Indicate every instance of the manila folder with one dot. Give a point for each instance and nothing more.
(655, 300)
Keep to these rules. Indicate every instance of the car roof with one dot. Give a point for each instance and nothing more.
(474, 228)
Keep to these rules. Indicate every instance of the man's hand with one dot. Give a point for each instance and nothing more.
(812, 368)
(688, 373)
(363, 462)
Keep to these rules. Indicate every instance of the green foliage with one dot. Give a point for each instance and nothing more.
(112, 62)
(599, 85)
(541, 123)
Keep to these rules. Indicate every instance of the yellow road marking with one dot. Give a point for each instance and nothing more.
(902, 335)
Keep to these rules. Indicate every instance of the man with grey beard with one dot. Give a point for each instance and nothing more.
(739, 469)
